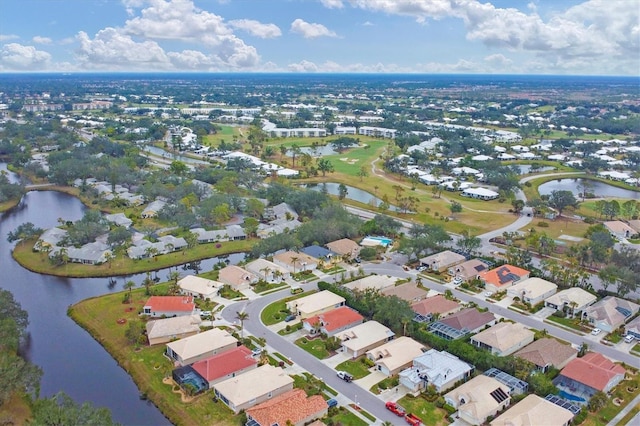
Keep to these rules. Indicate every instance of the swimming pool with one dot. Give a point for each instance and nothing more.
(571, 397)
(383, 241)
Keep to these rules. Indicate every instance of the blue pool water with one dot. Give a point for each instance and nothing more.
(570, 397)
(383, 240)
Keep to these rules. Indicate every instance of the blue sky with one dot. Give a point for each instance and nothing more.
(416, 36)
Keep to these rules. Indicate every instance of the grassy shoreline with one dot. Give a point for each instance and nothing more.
(148, 366)
(39, 262)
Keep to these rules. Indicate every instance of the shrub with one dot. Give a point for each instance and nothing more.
(589, 220)
(559, 314)
(449, 408)
(543, 224)
(440, 402)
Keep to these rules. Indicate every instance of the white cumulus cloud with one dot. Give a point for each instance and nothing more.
(310, 30)
(332, 4)
(303, 66)
(17, 57)
(41, 40)
(256, 28)
(7, 37)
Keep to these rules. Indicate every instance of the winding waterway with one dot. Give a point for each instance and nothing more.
(71, 359)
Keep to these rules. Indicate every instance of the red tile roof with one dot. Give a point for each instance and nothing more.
(223, 364)
(293, 406)
(336, 319)
(503, 275)
(593, 370)
(171, 303)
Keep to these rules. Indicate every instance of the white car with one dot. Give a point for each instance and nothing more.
(595, 331)
(456, 281)
(628, 338)
(488, 293)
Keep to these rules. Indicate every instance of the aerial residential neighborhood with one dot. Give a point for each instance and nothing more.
(324, 252)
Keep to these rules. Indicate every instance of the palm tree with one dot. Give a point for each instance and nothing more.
(129, 285)
(242, 316)
(174, 276)
(294, 260)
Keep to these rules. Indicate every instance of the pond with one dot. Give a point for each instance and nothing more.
(354, 194)
(319, 151)
(577, 186)
(71, 359)
(526, 169)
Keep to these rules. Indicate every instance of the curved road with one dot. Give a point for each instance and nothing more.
(305, 360)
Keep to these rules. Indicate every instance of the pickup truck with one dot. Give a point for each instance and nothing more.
(345, 376)
(395, 408)
(413, 420)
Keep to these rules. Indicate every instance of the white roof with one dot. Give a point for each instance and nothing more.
(199, 285)
(396, 353)
(573, 294)
(439, 367)
(363, 335)
(376, 282)
(532, 411)
(482, 192)
(173, 326)
(317, 301)
(199, 344)
(253, 384)
(533, 287)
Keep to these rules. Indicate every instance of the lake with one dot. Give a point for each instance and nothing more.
(599, 189)
(71, 359)
(354, 194)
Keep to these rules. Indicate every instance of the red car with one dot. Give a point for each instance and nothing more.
(395, 408)
(413, 420)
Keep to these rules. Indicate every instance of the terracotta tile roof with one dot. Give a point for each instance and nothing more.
(547, 351)
(293, 406)
(171, 303)
(223, 364)
(468, 319)
(503, 275)
(336, 318)
(435, 305)
(593, 370)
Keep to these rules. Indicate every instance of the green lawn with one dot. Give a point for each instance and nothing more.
(147, 365)
(290, 328)
(604, 416)
(277, 311)
(568, 322)
(388, 383)
(315, 347)
(263, 286)
(357, 368)
(346, 417)
(427, 411)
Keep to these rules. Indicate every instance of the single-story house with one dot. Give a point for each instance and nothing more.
(441, 261)
(574, 299)
(372, 282)
(478, 399)
(534, 410)
(407, 291)
(267, 270)
(237, 277)
(169, 306)
(503, 338)
(532, 290)
(585, 376)
(361, 338)
(346, 248)
(434, 307)
(467, 321)
(152, 209)
(500, 278)
(333, 321)
(619, 229)
(635, 224)
(633, 328)
(235, 232)
(293, 408)
(168, 329)
(199, 287)
(323, 255)
(515, 385)
(610, 313)
(546, 353)
(480, 193)
(253, 387)
(295, 262)
(395, 355)
(119, 219)
(225, 365)
(211, 236)
(280, 211)
(201, 346)
(468, 270)
(440, 369)
(49, 239)
(94, 253)
(315, 304)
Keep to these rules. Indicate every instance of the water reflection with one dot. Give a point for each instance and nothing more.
(354, 194)
(577, 186)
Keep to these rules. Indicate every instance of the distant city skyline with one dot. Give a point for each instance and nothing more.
(594, 37)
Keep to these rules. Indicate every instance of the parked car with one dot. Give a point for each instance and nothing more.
(290, 317)
(456, 281)
(629, 338)
(595, 331)
(421, 268)
(332, 403)
(257, 352)
(488, 293)
(413, 420)
(395, 409)
(345, 376)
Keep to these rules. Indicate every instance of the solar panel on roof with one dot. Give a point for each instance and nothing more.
(499, 395)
